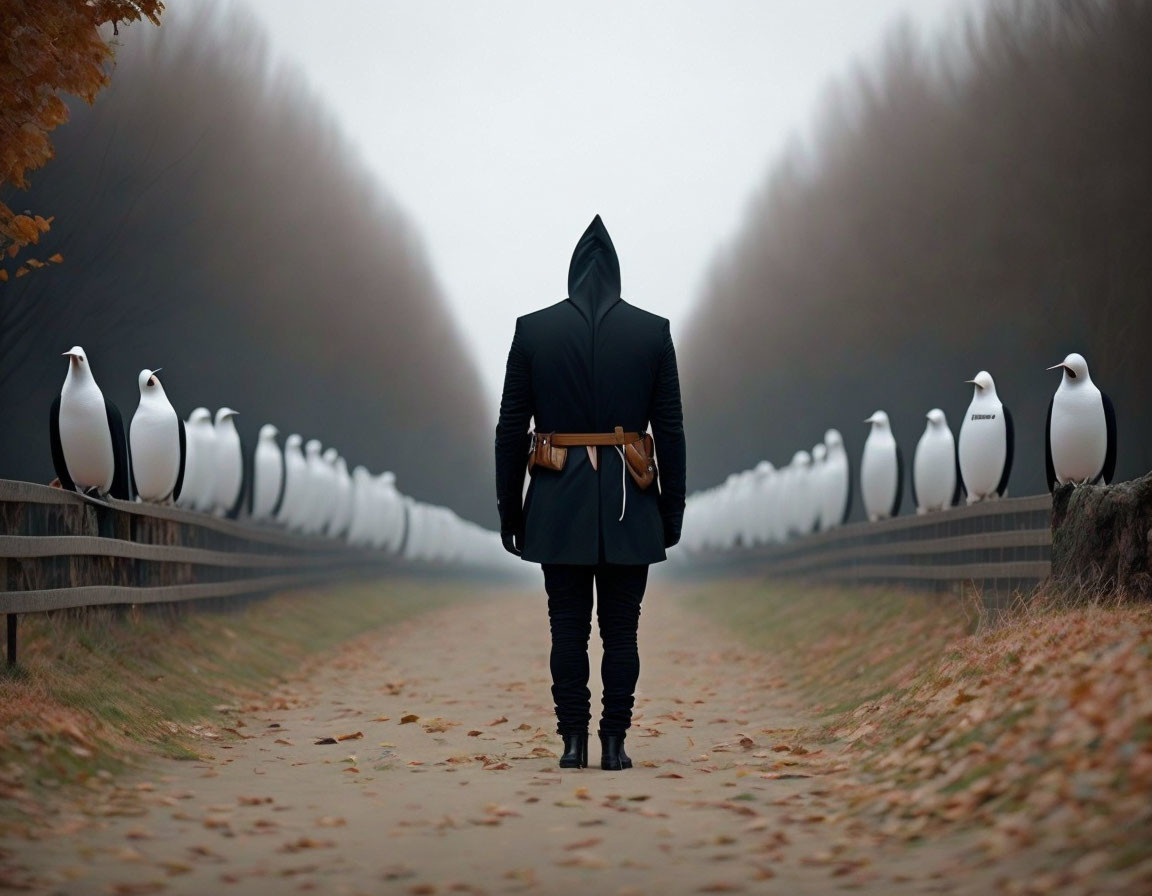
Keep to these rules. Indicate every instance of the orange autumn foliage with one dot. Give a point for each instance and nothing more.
(48, 48)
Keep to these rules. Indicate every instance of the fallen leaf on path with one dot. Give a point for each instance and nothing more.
(331, 821)
(325, 740)
(524, 727)
(253, 800)
(284, 741)
(670, 775)
(381, 718)
(474, 733)
(582, 860)
(497, 766)
(584, 844)
(355, 735)
(499, 721)
(302, 843)
(408, 719)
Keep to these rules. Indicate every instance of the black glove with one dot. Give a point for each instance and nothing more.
(513, 542)
(671, 536)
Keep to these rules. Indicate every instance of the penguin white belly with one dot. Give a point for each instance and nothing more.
(1079, 436)
(835, 490)
(983, 452)
(86, 440)
(266, 487)
(878, 479)
(228, 474)
(193, 477)
(155, 442)
(934, 472)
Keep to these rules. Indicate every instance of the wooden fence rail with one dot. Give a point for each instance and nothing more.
(996, 546)
(59, 550)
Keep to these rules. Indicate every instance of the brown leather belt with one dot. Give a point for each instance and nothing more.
(572, 439)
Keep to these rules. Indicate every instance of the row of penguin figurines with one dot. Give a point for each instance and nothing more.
(814, 491)
(202, 465)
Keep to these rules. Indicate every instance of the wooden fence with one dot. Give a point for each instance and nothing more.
(996, 546)
(59, 550)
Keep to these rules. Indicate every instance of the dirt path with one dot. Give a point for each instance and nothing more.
(468, 798)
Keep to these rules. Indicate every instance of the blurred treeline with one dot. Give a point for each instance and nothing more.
(215, 223)
(981, 203)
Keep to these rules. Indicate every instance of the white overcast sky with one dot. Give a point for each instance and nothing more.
(503, 127)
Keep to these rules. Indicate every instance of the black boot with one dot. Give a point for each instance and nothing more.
(575, 751)
(612, 755)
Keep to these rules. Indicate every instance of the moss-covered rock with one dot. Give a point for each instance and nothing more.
(1102, 537)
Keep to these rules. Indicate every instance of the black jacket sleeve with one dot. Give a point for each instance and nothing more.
(667, 418)
(516, 409)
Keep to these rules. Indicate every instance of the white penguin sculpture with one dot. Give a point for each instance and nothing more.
(295, 483)
(158, 443)
(86, 431)
(987, 442)
(1080, 433)
(881, 470)
(267, 474)
(228, 489)
(836, 482)
(935, 482)
(197, 491)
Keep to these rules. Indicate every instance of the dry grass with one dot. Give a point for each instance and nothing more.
(99, 690)
(1034, 725)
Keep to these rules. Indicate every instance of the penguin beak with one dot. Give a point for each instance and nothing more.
(1060, 366)
(974, 383)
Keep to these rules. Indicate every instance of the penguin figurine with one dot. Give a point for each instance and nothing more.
(157, 442)
(881, 470)
(987, 442)
(837, 481)
(935, 477)
(228, 490)
(267, 474)
(1080, 433)
(89, 451)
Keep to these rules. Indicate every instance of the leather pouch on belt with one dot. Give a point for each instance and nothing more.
(641, 461)
(545, 455)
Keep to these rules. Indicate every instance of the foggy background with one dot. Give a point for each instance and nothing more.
(984, 202)
(330, 222)
(215, 222)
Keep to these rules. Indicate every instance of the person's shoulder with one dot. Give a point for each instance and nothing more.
(541, 315)
(645, 317)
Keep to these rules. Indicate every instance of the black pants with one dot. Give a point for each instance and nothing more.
(619, 590)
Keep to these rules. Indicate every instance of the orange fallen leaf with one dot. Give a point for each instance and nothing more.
(355, 735)
(411, 717)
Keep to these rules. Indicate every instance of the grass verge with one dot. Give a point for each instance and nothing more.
(1034, 726)
(100, 689)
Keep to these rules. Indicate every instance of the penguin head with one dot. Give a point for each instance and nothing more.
(330, 456)
(149, 383)
(879, 420)
(268, 432)
(224, 415)
(834, 441)
(360, 474)
(801, 460)
(819, 453)
(293, 442)
(1075, 369)
(983, 383)
(388, 478)
(77, 361)
(312, 448)
(764, 469)
(936, 418)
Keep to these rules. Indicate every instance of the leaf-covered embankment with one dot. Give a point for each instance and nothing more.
(1035, 727)
(99, 690)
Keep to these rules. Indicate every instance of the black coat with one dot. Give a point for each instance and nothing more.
(589, 364)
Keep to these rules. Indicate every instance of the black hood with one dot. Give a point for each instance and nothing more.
(594, 274)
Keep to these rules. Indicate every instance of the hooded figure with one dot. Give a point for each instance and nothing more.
(589, 364)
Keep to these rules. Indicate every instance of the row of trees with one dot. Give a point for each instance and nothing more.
(983, 203)
(215, 223)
